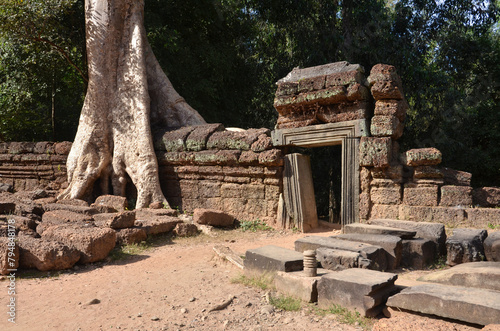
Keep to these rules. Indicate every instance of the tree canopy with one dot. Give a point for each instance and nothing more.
(224, 57)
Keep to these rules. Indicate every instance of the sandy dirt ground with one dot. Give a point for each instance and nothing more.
(173, 286)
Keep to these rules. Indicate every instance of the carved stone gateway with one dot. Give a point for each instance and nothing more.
(346, 134)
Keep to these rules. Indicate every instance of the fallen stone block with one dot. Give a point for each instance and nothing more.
(418, 253)
(46, 255)
(93, 243)
(298, 285)
(212, 217)
(63, 217)
(485, 275)
(492, 247)
(465, 245)
(377, 229)
(110, 204)
(122, 220)
(157, 225)
(74, 202)
(433, 231)
(365, 291)
(128, 236)
(375, 254)
(392, 245)
(147, 213)
(334, 259)
(76, 209)
(472, 305)
(9, 255)
(273, 258)
(185, 230)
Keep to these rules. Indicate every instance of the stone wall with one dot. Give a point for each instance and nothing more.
(29, 165)
(205, 166)
(412, 185)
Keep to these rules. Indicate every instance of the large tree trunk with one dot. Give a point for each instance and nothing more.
(127, 91)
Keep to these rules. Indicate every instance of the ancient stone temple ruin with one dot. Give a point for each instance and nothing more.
(252, 175)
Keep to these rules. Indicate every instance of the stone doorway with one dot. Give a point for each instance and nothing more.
(296, 197)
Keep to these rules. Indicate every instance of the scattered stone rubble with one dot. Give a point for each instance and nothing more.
(53, 235)
(468, 292)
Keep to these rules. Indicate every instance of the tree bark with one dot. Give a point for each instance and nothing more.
(127, 91)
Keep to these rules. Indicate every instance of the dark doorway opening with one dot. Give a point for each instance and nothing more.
(326, 168)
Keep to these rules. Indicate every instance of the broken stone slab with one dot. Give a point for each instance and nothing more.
(122, 220)
(472, 305)
(147, 213)
(377, 229)
(375, 254)
(392, 245)
(362, 290)
(93, 243)
(273, 258)
(110, 204)
(157, 225)
(63, 217)
(418, 253)
(335, 259)
(298, 285)
(212, 217)
(197, 139)
(485, 275)
(185, 230)
(433, 231)
(76, 209)
(9, 255)
(492, 247)
(46, 255)
(133, 235)
(465, 245)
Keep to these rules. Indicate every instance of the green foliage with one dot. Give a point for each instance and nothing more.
(224, 57)
(493, 226)
(254, 226)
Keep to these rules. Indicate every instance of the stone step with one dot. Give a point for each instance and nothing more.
(485, 275)
(433, 231)
(273, 258)
(374, 253)
(362, 290)
(472, 305)
(465, 245)
(377, 229)
(492, 247)
(418, 253)
(392, 245)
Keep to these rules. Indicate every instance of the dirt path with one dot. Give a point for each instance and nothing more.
(170, 287)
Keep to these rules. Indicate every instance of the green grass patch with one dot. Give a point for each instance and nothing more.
(347, 316)
(263, 282)
(254, 226)
(286, 303)
(493, 226)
